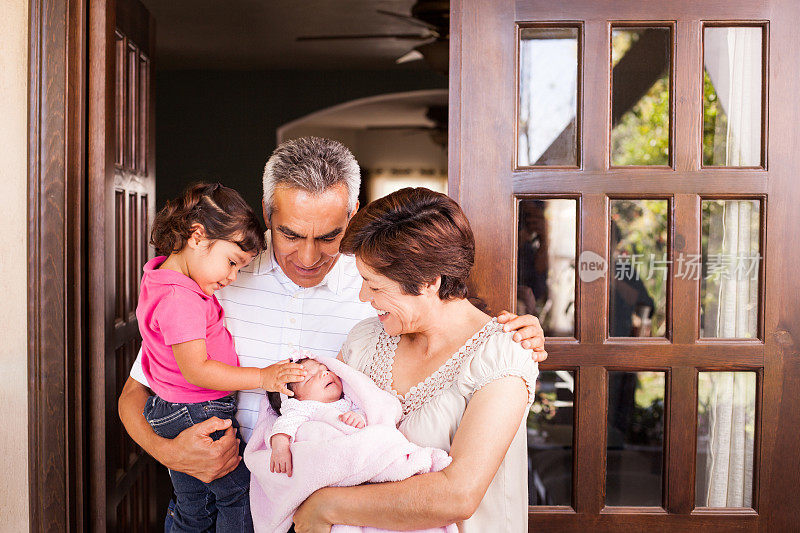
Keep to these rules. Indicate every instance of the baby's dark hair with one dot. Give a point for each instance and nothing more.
(222, 212)
(274, 398)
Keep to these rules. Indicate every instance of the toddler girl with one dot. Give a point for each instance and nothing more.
(202, 240)
(320, 390)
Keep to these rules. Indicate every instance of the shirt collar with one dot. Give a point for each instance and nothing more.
(165, 276)
(266, 263)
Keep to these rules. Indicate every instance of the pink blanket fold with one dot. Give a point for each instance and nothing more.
(327, 452)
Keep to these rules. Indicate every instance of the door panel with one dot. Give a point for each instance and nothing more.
(128, 486)
(132, 502)
(701, 329)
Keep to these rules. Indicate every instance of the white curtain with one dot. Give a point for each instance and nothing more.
(729, 463)
(733, 61)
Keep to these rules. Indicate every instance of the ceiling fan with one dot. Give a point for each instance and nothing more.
(431, 17)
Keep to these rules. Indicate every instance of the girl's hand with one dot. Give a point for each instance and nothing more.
(275, 377)
(309, 517)
(527, 331)
(351, 418)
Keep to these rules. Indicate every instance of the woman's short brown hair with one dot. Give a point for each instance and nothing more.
(413, 236)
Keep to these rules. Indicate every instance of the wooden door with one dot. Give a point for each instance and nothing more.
(601, 132)
(127, 485)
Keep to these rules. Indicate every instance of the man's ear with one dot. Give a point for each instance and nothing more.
(197, 236)
(264, 212)
(353, 212)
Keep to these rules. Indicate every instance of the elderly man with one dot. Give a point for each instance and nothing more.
(299, 294)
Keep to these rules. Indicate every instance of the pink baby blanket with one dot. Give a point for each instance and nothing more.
(326, 452)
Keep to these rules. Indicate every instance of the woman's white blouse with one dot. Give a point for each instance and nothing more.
(432, 410)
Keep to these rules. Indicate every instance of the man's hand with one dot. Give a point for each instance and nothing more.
(351, 418)
(281, 459)
(275, 377)
(194, 453)
(527, 331)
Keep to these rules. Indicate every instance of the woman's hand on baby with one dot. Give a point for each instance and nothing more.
(275, 377)
(351, 418)
(311, 517)
(280, 461)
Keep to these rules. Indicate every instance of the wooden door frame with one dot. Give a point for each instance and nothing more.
(66, 411)
(57, 336)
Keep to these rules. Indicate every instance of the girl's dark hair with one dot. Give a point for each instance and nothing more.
(222, 212)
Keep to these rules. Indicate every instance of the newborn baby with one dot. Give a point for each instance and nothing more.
(336, 441)
(320, 390)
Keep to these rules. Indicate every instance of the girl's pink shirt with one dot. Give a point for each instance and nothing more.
(173, 309)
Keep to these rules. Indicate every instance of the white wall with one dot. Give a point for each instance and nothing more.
(13, 261)
(392, 159)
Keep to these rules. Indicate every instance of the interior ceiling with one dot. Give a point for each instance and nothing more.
(261, 34)
(385, 111)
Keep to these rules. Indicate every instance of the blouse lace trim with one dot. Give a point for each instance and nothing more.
(529, 385)
(380, 368)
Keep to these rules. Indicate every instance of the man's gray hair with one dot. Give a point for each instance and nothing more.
(312, 164)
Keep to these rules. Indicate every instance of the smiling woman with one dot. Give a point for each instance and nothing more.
(458, 377)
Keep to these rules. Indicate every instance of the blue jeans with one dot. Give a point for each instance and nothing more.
(222, 505)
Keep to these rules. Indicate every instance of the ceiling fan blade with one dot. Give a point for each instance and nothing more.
(405, 36)
(409, 19)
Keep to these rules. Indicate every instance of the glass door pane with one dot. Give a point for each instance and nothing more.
(641, 59)
(732, 95)
(547, 129)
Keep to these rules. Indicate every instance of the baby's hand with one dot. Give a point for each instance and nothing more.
(351, 418)
(275, 377)
(281, 459)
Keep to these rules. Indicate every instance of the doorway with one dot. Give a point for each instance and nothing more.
(653, 363)
(106, 199)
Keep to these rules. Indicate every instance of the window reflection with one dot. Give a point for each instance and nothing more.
(635, 454)
(546, 263)
(732, 81)
(548, 97)
(550, 427)
(640, 115)
(639, 268)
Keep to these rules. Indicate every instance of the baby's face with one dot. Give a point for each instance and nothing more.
(320, 384)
